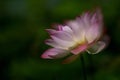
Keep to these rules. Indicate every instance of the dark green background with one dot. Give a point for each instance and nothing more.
(22, 35)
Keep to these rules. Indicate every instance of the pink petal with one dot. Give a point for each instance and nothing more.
(70, 59)
(79, 49)
(59, 43)
(54, 53)
(52, 43)
(95, 27)
(58, 27)
(63, 35)
(74, 26)
(93, 33)
(55, 28)
(51, 31)
(68, 30)
(97, 18)
(63, 43)
(85, 20)
(96, 48)
(77, 28)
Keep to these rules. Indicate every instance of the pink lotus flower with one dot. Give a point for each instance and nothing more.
(85, 33)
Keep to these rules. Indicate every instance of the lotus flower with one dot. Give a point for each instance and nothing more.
(85, 33)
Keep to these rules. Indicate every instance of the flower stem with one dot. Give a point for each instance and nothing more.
(91, 65)
(83, 67)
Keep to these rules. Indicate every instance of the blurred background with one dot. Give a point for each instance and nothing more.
(22, 35)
